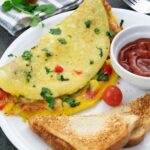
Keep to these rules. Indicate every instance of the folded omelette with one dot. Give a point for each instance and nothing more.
(63, 74)
(65, 59)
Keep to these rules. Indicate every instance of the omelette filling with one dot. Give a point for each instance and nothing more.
(68, 104)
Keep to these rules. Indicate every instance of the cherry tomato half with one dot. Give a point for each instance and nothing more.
(112, 95)
(107, 69)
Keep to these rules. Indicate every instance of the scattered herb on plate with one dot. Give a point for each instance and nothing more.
(97, 31)
(71, 102)
(48, 53)
(62, 41)
(111, 34)
(88, 23)
(101, 76)
(10, 55)
(60, 77)
(48, 70)
(48, 96)
(28, 75)
(91, 62)
(27, 55)
(55, 31)
(101, 52)
(34, 86)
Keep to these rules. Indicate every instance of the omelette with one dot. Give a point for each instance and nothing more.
(60, 62)
(63, 73)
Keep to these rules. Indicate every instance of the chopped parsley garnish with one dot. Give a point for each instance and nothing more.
(27, 65)
(48, 70)
(48, 53)
(101, 52)
(46, 8)
(71, 102)
(35, 21)
(88, 23)
(7, 6)
(110, 34)
(27, 55)
(48, 96)
(61, 78)
(56, 31)
(101, 76)
(69, 36)
(27, 75)
(62, 41)
(10, 55)
(121, 22)
(34, 86)
(91, 62)
(97, 31)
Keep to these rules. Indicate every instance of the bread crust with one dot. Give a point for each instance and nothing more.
(135, 140)
(118, 133)
(141, 108)
(49, 138)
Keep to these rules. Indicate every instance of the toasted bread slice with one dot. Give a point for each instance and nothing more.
(140, 107)
(96, 132)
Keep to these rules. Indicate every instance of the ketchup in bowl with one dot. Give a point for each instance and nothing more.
(135, 57)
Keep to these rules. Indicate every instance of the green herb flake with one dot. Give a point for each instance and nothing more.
(48, 70)
(27, 75)
(91, 62)
(34, 86)
(23, 6)
(62, 41)
(101, 52)
(61, 78)
(71, 102)
(69, 36)
(10, 55)
(56, 31)
(27, 55)
(102, 77)
(48, 96)
(111, 34)
(48, 53)
(46, 8)
(88, 23)
(35, 21)
(7, 5)
(27, 65)
(43, 25)
(121, 22)
(97, 31)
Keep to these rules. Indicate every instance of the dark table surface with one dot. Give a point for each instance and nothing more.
(5, 40)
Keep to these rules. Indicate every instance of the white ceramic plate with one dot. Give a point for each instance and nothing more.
(17, 131)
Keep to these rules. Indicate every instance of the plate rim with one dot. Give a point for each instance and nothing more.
(3, 124)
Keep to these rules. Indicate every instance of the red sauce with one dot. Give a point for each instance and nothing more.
(135, 57)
